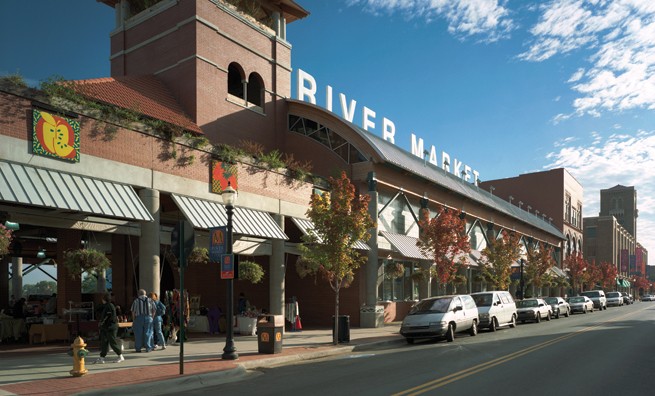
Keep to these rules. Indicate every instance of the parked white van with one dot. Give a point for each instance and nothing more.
(441, 316)
(496, 309)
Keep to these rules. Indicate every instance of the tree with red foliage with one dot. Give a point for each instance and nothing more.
(642, 283)
(593, 275)
(576, 266)
(608, 275)
(443, 238)
(497, 259)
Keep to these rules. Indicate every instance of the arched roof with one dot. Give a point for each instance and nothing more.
(380, 151)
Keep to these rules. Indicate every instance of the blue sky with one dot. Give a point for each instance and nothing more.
(507, 87)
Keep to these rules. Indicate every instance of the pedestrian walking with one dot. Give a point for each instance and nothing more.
(143, 312)
(160, 311)
(108, 323)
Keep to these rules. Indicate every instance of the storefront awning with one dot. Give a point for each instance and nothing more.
(307, 227)
(207, 214)
(405, 245)
(557, 271)
(51, 189)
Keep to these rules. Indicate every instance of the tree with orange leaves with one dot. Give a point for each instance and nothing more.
(593, 276)
(443, 238)
(539, 261)
(642, 283)
(576, 266)
(340, 219)
(497, 259)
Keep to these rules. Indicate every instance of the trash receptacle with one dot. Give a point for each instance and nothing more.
(269, 333)
(344, 328)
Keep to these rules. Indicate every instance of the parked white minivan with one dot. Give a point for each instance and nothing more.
(441, 316)
(496, 309)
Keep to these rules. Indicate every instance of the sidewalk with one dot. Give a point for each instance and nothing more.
(37, 370)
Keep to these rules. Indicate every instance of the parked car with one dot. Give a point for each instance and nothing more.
(441, 316)
(533, 309)
(598, 298)
(614, 299)
(497, 308)
(559, 306)
(648, 297)
(581, 304)
(627, 298)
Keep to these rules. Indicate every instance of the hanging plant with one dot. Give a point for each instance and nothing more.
(250, 271)
(198, 256)
(394, 270)
(81, 260)
(424, 274)
(5, 240)
(303, 268)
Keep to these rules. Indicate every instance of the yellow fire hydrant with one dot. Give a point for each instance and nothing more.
(78, 352)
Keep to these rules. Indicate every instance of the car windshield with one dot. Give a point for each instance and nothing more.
(551, 300)
(439, 305)
(483, 300)
(591, 294)
(576, 299)
(527, 304)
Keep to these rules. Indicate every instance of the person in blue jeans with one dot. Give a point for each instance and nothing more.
(160, 311)
(143, 312)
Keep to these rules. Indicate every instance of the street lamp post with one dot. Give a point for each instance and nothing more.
(230, 351)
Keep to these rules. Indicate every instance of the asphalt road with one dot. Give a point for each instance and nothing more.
(608, 352)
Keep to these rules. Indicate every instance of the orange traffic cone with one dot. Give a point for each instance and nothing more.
(298, 326)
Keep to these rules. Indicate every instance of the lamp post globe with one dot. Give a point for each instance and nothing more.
(229, 196)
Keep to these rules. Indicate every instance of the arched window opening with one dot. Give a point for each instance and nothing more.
(255, 90)
(235, 79)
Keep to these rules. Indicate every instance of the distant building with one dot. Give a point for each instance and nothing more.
(620, 202)
(554, 196)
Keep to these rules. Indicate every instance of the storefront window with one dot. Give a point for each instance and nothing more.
(399, 289)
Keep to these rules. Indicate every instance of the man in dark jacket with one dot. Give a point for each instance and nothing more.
(108, 330)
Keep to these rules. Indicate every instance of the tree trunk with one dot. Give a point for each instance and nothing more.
(335, 333)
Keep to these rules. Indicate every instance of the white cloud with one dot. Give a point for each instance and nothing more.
(488, 19)
(621, 36)
(577, 75)
(619, 159)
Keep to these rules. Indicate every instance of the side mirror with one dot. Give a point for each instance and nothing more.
(457, 308)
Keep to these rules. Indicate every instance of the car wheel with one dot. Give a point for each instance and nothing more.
(584, 310)
(512, 324)
(605, 307)
(409, 340)
(548, 316)
(557, 314)
(450, 333)
(473, 331)
(493, 326)
(538, 318)
(567, 313)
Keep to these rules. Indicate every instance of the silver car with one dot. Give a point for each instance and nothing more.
(614, 299)
(559, 306)
(581, 304)
(533, 309)
(440, 316)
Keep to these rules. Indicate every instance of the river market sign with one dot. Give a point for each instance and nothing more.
(306, 91)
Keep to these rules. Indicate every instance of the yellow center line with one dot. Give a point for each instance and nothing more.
(439, 382)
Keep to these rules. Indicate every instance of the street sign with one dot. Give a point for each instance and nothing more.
(227, 266)
(217, 243)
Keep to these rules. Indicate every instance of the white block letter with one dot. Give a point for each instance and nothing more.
(457, 169)
(310, 90)
(367, 114)
(348, 111)
(445, 161)
(417, 147)
(388, 130)
(467, 173)
(328, 98)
